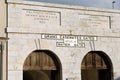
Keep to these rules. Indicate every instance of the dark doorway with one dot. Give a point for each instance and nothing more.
(42, 65)
(96, 65)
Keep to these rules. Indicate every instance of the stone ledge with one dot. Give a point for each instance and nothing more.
(62, 6)
(102, 33)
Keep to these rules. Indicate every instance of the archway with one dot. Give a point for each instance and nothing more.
(42, 65)
(96, 65)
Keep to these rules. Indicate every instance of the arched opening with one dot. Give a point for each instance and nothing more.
(96, 65)
(42, 65)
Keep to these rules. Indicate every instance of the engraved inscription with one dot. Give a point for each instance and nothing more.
(42, 17)
(94, 20)
(86, 20)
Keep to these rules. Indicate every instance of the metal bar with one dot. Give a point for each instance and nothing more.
(1, 51)
(39, 43)
(113, 4)
(36, 44)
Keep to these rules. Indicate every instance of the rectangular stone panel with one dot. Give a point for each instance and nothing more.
(41, 17)
(86, 20)
(24, 16)
(94, 21)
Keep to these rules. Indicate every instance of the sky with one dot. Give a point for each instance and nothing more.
(86, 3)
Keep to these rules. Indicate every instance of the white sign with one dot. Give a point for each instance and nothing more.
(67, 38)
(72, 42)
(77, 41)
(78, 45)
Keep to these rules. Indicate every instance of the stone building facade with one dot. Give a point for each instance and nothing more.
(45, 41)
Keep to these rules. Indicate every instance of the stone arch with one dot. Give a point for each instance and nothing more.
(97, 65)
(41, 62)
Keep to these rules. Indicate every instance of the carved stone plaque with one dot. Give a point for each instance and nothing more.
(86, 20)
(94, 21)
(41, 17)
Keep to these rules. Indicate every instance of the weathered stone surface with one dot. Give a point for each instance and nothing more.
(41, 26)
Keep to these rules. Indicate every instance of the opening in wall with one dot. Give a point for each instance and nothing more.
(96, 65)
(42, 65)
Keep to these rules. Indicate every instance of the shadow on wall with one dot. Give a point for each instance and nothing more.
(118, 78)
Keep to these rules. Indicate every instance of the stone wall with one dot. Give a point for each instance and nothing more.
(68, 31)
(3, 25)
